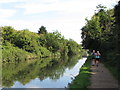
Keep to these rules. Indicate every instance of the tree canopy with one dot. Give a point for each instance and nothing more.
(35, 45)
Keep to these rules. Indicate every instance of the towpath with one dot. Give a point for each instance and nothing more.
(102, 78)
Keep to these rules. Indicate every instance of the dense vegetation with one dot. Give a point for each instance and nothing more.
(102, 32)
(20, 45)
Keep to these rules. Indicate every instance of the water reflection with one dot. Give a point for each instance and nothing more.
(43, 73)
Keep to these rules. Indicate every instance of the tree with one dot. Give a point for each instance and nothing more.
(42, 30)
(117, 26)
(7, 33)
(98, 31)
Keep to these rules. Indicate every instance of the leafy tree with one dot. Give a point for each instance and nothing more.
(117, 26)
(7, 33)
(73, 47)
(52, 42)
(98, 30)
(40, 45)
(42, 30)
(102, 33)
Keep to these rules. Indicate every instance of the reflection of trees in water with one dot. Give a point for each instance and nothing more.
(24, 72)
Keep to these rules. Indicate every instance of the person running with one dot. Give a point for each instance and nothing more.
(97, 58)
(93, 58)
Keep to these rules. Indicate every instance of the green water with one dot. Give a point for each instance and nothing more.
(43, 73)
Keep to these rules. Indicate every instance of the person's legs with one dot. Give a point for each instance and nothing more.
(97, 61)
(93, 62)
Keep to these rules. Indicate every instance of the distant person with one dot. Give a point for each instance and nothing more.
(97, 58)
(93, 57)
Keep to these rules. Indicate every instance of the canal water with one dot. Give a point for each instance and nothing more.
(49, 77)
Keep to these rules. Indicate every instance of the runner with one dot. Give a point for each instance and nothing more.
(97, 58)
(93, 58)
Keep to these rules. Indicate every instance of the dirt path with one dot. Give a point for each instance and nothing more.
(102, 78)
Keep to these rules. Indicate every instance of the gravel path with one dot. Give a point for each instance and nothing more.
(102, 78)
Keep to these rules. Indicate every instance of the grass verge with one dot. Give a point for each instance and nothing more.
(81, 81)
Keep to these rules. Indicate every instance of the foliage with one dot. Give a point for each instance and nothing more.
(73, 47)
(42, 30)
(12, 54)
(117, 27)
(7, 33)
(41, 44)
(98, 30)
(102, 32)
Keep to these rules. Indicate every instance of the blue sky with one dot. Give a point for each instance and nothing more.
(66, 16)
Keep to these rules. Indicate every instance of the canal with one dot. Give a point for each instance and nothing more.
(45, 73)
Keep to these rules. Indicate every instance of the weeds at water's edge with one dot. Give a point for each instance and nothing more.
(82, 79)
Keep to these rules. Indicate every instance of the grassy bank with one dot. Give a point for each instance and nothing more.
(81, 81)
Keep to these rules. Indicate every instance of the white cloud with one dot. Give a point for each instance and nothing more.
(4, 13)
(36, 7)
(64, 6)
(18, 24)
(7, 1)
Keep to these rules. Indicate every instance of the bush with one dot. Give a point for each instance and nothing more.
(12, 54)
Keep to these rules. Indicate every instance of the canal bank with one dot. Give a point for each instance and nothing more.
(82, 79)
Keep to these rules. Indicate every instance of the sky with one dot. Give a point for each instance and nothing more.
(66, 16)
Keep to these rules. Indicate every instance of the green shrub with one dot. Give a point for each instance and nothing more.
(12, 54)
